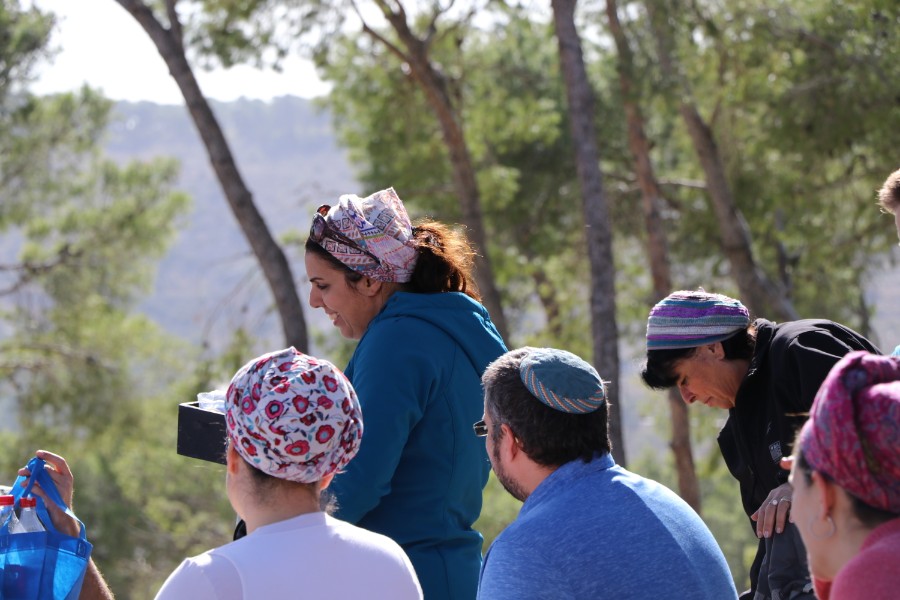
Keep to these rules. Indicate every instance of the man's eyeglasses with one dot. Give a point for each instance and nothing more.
(481, 428)
(321, 229)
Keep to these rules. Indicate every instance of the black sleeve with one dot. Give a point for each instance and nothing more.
(810, 356)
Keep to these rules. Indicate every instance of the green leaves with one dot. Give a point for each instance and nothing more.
(23, 38)
(90, 232)
(43, 143)
(82, 372)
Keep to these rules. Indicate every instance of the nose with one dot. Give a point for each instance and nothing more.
(686, 395)
(315, 298)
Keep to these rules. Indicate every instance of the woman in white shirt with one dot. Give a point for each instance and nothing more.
(293, 421)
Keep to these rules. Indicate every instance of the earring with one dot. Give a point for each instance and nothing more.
(822, 536)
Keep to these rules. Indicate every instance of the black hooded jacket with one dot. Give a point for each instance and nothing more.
(788, 365)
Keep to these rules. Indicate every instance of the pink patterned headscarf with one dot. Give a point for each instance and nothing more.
(293, 416)
(853, 431)
(379, 223)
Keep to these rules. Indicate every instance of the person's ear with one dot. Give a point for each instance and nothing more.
(717, 350)
(369, 287)
(508, 443)
(232, 459)
(826, 493)
(326, 481)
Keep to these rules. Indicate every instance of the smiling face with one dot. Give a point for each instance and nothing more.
(709, 378)
(350, 306)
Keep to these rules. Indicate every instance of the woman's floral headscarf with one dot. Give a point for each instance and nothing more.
(380, 224)
(293, 416)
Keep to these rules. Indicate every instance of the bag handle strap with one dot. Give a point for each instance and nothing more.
(39, 475)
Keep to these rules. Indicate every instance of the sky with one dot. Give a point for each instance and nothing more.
(100, 44)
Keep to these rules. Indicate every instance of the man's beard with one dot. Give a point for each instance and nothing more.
(509, 484)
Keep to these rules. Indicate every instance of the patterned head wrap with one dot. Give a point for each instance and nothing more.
(293, 416)
(562, 381)
(690, 319)
(379, 223)
(853, 431)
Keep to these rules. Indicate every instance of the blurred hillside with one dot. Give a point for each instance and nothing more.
(286, 151)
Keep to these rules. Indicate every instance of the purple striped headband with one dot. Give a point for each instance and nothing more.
(688, 319)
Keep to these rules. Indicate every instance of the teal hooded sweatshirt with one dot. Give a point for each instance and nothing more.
(420, 471)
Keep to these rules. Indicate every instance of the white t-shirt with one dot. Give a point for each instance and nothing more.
(310, 556)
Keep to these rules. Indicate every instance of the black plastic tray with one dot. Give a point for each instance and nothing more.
(201, 433)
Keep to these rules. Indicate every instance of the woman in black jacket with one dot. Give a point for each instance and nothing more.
(766, 375)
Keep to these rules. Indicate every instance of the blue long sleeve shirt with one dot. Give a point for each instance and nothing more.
(596, 531)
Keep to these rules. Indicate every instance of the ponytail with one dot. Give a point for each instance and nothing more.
(445, 261)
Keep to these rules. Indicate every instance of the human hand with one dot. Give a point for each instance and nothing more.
(773, 513)
(787, 463)
(58, 470)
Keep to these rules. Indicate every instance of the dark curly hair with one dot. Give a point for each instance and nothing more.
(658, 371)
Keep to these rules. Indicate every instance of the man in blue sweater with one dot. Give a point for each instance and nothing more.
(588, 528)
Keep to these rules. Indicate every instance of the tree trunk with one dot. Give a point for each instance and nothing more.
(542, 285)
(761, 294)
(269, 254)
(466, 187)
(434, 86)
(657, 249)
(604, 327)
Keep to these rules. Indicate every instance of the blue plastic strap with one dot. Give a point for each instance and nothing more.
(40, 475)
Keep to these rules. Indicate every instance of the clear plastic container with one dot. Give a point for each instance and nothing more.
(214, 400)
(28, 519)
(7, 510)
(22, 575)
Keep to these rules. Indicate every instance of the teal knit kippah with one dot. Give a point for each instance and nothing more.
(562, 381)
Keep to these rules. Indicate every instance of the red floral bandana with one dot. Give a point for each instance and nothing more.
(853, 431)
(293, 416)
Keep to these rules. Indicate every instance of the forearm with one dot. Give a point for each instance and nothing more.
(94, 587)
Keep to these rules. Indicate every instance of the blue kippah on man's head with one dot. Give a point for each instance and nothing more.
(562, 381)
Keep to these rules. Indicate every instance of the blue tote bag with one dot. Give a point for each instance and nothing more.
(45, 565)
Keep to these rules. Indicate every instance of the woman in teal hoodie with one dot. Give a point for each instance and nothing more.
(407, 294)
